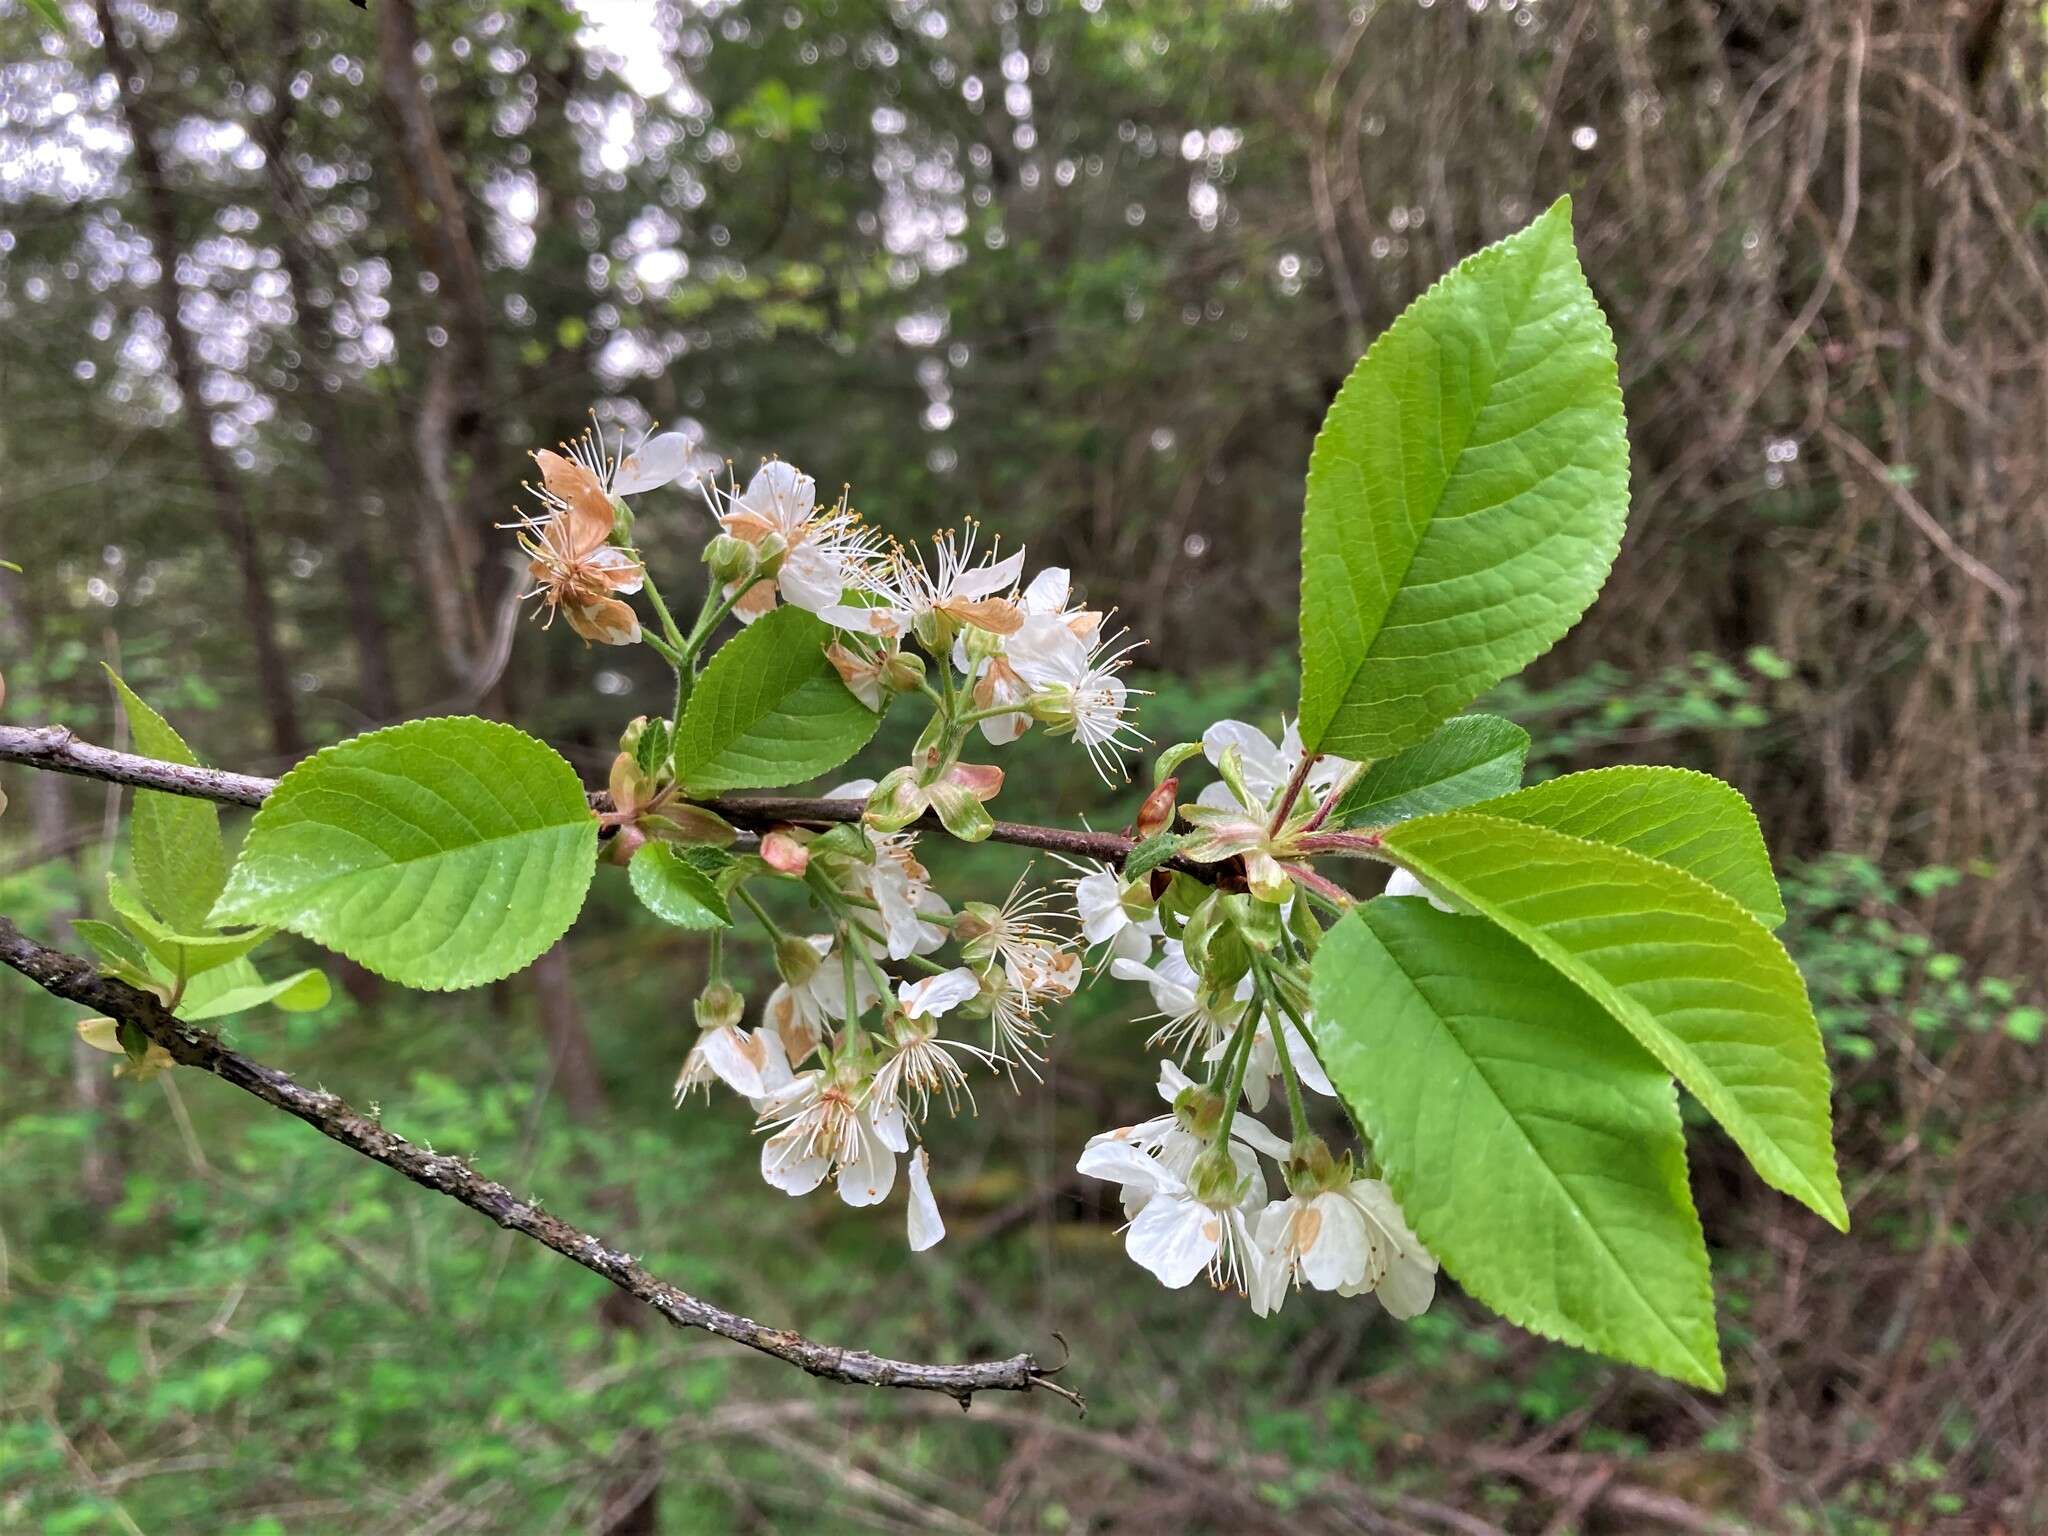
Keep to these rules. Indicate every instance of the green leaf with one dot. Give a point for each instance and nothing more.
(1465, 497)
(301, 992)
(1689, 820)
(119, 955)
(1473, 757)
(675, 890)
(769, 710)
(180, 861)
(1534, 1147)
(53, 16)
(1698, 981)
(185, 954)
(439, 853)
(650, 752)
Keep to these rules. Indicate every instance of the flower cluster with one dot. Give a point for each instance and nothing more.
(1225, 981)
(849, 1063)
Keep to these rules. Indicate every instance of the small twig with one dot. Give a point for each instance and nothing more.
(56, 749)
(76, 980)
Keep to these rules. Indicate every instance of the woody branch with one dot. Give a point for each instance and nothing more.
(77, 980)
(56, 749)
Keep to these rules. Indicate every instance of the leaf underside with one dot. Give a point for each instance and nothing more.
(1472, 757)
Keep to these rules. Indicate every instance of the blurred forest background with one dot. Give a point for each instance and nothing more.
(289, 288)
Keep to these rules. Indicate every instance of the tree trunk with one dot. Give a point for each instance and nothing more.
(161, 219)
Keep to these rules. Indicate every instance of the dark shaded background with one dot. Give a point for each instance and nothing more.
(287, 292)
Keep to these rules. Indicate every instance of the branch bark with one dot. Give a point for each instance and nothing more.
(54, 748)
(77, 980)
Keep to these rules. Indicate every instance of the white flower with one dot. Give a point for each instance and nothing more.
(1266, 768)
(1196, 1022)
(926, 1227)
(752, 1063)
(1075, 689)
(955, 586)
(824, 551)
(1175, 1147)
(1046, 597)
(1350, 1240)
(1099, 908)
(1176, 1234)
(899, 886)
(1401, 883)
(821, 1125)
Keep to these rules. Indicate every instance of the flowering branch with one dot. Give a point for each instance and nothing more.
(55, 749)
(79, 981)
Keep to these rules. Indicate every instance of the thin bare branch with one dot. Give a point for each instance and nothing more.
(77, 980)
(55, 748)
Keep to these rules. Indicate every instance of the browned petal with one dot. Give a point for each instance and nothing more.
(750, 526)
(589, 510)
(997, 615)
(605, 620)
(759, 599)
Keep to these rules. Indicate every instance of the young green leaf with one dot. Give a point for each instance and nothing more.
(184, 955)
(1148, 855)
(675, 890)
(769, 710)
(439, 853)
(1473, 757)
(1673, 815)
(180, 861)
(301, 992)
(119, 955)
(1695, 978)
(1534, 1147)
(1465, 497)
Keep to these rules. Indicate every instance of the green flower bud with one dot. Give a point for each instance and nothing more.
(796, 962)
(731, 560)
(719, 1006)
(902, 671)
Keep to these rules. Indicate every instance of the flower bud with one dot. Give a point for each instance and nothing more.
(796, 961)
(783, 852)
(1312, 1169)
(731, 560)
(679, 821)
(980, 645)
(902, 671)
(630, 787)
(896, 802)
(1157, 813)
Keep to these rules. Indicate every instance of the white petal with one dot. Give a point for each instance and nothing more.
(1306, 1067)
(737, 1058)
(1219, 796)
(1401, 883)
(939, 994)
(1099, 903)
(781, 495)
(653, 464)
(1175, 1239)
(868, 1179)
(1407, 1288)
(890, 623)
(852, 789)
(812, 578)
(1340, 1250)
(1172, 1080)
(1133, 943)
(891, 1128)
(1048, 591)
(1001, 730)
(990, 578)
(1272, 1270)
(1264, 769)
(1044, 652)
(1249, 1131)
(1121, 1162)
(926, 1227)
(788, 1172)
